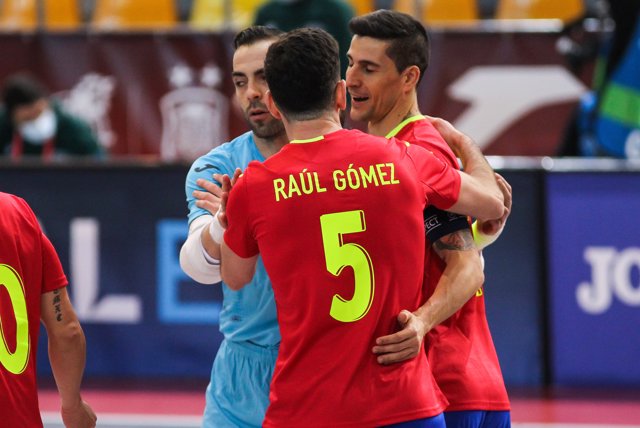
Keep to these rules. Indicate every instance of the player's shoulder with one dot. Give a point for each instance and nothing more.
(422, 133)
(223, 158)
(16, 210)
(13, 201)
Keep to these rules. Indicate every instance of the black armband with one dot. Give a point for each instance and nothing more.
(438, 223)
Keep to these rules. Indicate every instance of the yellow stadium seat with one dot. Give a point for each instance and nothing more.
(361, 7)
(207, 14)
(244, 12)
(211, 14)
(134, 14)
(566, 10)
(449, 11)
(61, 14)
(19, 14)
(405, 6)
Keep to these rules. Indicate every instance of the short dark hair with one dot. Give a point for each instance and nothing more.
(302, 70)
(409, 40)
(255, 33)
(21, 90)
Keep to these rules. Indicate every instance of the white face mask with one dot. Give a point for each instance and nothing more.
(39, 130)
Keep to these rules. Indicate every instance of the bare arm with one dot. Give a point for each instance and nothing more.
(480, 195)
(486, 232)
(67, 353)
(461, 278)
(236, 271)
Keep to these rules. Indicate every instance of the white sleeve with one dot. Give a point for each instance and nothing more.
(194, 261)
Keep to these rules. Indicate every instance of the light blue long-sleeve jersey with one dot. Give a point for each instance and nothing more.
(250, 313)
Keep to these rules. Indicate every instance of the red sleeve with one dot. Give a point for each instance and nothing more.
(239, 236)
(441, 182)
(53, 276)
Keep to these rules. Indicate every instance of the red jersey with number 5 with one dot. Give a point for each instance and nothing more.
(29, 267)
(338, 223)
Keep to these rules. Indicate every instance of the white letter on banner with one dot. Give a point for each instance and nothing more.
(115, 308)
(622, 276)
(596, 298)
(500, 95)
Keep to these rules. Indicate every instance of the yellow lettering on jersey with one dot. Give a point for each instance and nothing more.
(304, 183)
(15, 362)
(354, 178)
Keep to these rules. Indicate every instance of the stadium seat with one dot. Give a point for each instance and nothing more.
(19, 15)
(405, 6)
(566, 10)
(61, 14)
(207, 14)
(449, 11)
(134, 14)
(361, 7)
(211, 14)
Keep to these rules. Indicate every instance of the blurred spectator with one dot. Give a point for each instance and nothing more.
(331, 15)
(608, 121)
(32, 124)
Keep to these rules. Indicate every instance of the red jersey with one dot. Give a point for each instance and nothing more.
(29, 267)
(342, 265)
(460, 350)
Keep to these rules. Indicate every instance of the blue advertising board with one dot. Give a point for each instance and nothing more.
(118, 232)
(594, 277)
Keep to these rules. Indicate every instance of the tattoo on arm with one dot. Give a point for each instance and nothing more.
(457, 241)
(56, 305)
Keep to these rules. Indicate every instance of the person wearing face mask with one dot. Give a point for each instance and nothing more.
(32, 124)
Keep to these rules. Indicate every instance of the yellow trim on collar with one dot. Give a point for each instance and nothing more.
(397, 129)
(308, 140)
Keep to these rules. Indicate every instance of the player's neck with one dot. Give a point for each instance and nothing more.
(307, 129)
(270, 146)
(404, 109)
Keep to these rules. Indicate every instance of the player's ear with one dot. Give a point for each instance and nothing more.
(341, 94)
(411, 76)
(271, 105)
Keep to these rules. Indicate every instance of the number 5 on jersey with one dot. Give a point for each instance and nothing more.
(339, 255)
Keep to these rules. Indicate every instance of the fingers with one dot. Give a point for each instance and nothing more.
(397, 347)
(206, 201)
(506, 190)
(236, 174)
(209, 186)
(397, 357)
(393, 339)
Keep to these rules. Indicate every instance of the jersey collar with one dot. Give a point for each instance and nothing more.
(402, 124)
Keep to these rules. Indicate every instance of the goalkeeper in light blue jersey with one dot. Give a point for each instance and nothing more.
(238, 392)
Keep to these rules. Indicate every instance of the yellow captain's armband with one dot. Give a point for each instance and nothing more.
(15, 362)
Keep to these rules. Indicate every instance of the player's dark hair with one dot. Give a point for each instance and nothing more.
(21, 90)
(255, 33)
(302, 70)
(409, 42)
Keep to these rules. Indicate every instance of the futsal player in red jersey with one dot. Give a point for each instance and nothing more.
(32, 288)
(388, 56)
(337, 217)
